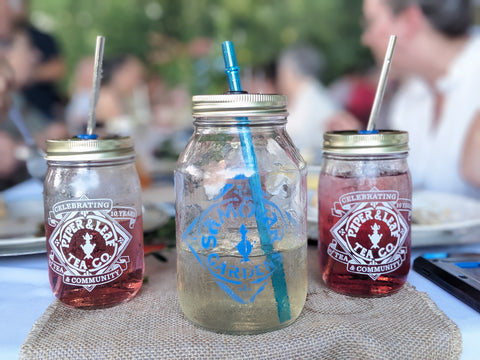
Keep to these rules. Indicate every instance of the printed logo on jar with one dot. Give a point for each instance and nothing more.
(232, 222)
(370, 235)
(88, 242)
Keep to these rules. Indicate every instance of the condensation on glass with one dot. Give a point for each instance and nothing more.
(364, 196)
(241, 216)
(93, 221)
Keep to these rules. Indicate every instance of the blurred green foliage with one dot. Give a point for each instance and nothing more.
(160, 31)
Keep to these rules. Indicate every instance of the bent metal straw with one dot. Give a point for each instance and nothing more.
(278, 276)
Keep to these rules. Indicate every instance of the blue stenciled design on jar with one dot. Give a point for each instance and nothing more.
(244, 246)
(225, 240)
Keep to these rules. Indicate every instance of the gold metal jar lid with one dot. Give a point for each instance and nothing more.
(356, 143)
(239, 105)
(90, 150)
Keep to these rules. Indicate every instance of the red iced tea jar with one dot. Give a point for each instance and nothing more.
(93, 221)
(364, 196)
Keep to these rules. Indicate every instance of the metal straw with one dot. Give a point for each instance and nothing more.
(278, 276)
(97, 76)
(381, 84)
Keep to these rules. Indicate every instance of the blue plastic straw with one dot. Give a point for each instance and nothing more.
(248, 152)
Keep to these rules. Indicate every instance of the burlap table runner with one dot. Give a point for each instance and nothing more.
(406, 325)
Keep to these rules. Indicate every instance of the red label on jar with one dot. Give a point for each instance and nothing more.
(88, 242)
(371, 233)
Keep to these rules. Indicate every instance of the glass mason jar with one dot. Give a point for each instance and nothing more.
(93, 221)
(241, 216)
(364, 196)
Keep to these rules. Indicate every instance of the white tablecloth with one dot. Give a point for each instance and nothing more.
(26, 294)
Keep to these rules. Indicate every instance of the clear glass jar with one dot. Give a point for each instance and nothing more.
(364, 196)
(241, 216)
(93, 221)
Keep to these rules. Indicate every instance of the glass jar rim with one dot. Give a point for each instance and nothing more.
(75, 149)
(239, 105)
(359, 143)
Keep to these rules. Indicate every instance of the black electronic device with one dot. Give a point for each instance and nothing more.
(459, 274)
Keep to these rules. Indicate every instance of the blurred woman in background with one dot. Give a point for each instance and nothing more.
(438, 102)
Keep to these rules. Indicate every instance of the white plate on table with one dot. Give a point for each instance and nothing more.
(441, 218)
(18, 229)
(22, 246)
(438, 219)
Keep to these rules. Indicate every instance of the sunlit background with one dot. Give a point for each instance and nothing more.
(171, 36)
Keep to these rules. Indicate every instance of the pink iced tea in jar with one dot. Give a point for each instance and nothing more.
(93, 221)
(364, 196)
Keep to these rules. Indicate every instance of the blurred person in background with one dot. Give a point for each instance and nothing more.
(355, 92)
(6, 85)
(310, 106)
(6, 22)
(261, 78)
(123, 78)
(171, 106)
(22, 58)
(438, 102)
(124, 108)
(41, 91)
(76, 112)
(8, 161)
(171, 124)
